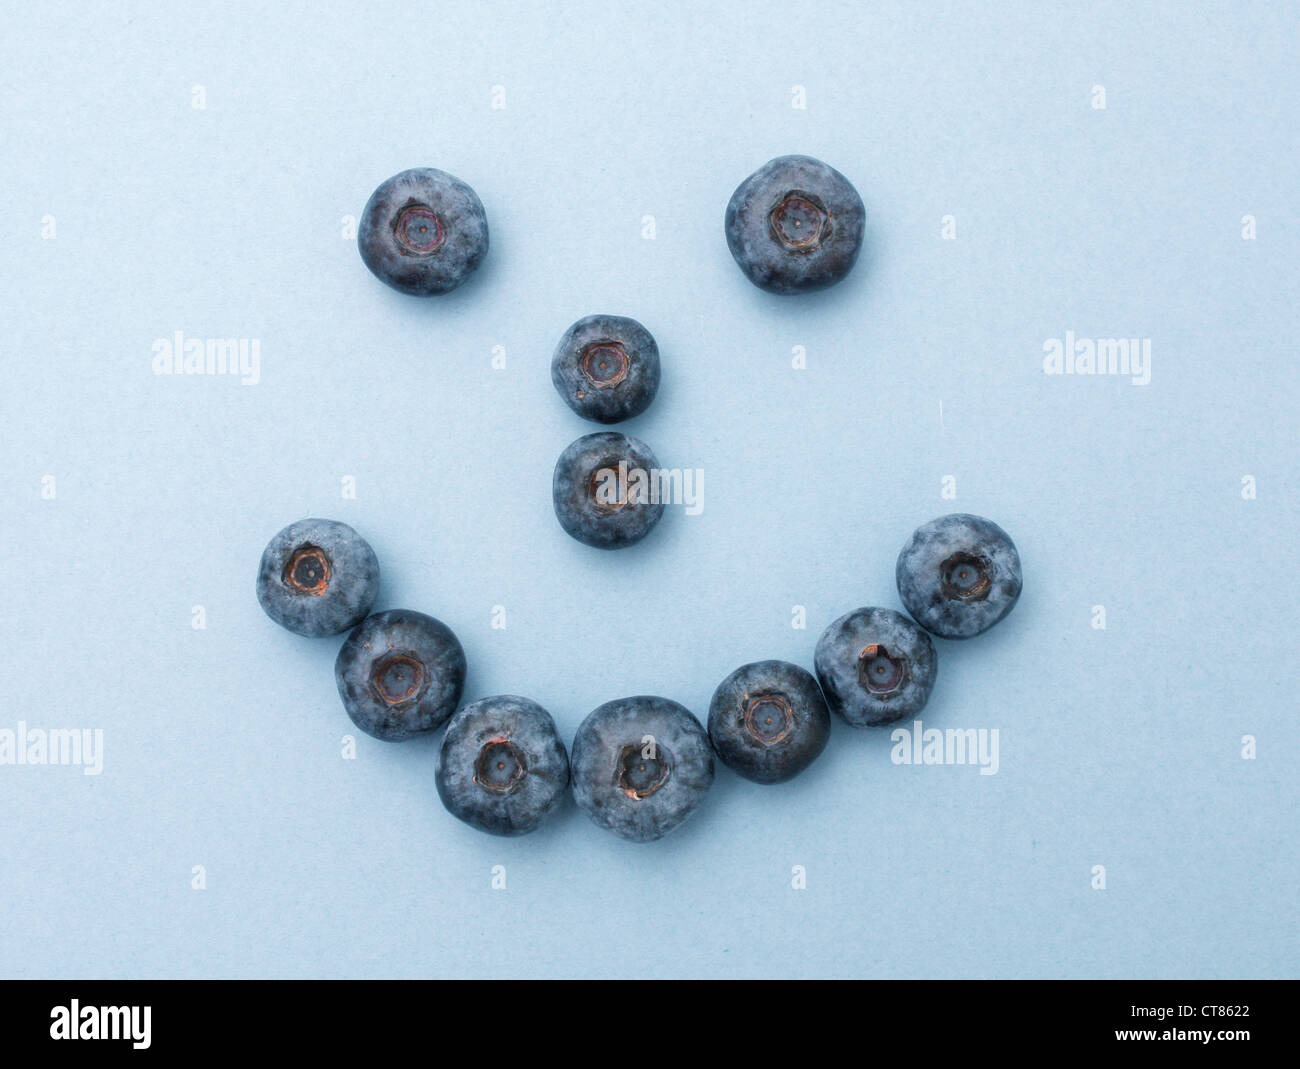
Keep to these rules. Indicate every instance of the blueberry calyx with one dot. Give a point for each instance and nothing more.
(308, 571)
(397, 678)
(418, 230)
(608, 492)
(768, 718)
(604, 364)
(501, 766)
(799, 221)
(966, 576)
(640, 776)
(882, 673)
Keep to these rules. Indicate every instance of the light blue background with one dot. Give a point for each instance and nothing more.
(1119, 747)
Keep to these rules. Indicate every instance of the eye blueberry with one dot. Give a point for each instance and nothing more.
(423, 232)
(768, 721)
(317, 577)
(875, 666)
(603, 490)
(959, 575)
(641, 766)
(606, 368)
(795, 225)
(502, 767)
(400, 673)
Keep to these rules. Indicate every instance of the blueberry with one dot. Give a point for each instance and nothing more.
(605, 490)
(875, 666)
(795, 225)
(640, 766)
(768, 721)
(959, 575)
(502, 767)
(423, 232)
(606, 368)
(400, 674)
(317, 577)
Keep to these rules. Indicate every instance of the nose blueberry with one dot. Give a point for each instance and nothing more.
(604, 490)
(606, 368)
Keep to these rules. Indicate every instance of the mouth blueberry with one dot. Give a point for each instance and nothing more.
(875, 666)
(959, 575)
(317, 577)
(423, 232)
(641, 766)
(604, 488)
(502, 767)
(606, 368)
(768, 721)
(795, 225)
(400, 673)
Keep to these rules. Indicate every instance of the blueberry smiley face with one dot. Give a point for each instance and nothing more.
(641, 766)
(606, 368)
(959, 575)
(423, 232)
(875, 666)
(795, 225)
(605, 490)
(317, 577)
(502, 767)
(400, 673)
(768, 721)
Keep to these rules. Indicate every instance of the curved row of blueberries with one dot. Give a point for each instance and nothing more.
(638, 766)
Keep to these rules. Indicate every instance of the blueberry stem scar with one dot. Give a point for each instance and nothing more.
(308, 571)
